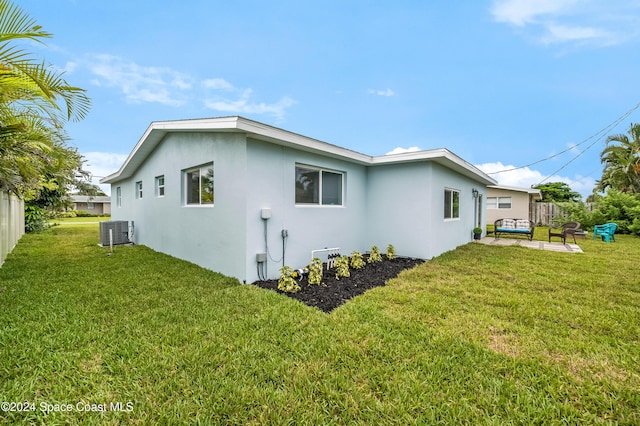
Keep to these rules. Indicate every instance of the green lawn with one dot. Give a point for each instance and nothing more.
(479, 335)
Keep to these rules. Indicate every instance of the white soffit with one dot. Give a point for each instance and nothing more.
(157, 130)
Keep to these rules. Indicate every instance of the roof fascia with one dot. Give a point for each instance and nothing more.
(441, 156)
(531, 191)
(156, 132)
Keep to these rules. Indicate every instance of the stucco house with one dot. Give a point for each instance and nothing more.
(243, 198)
(510, 202)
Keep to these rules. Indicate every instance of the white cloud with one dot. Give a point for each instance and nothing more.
(243, 104)
(400, 150)
(70, 67)
(522, 12)
(172, 88)
(101, 164)
(217, 84)
(140, 83)
(563, 33)
(385, 92)
(570, 21)
(526, 178)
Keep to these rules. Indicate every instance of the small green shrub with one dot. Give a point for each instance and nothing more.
(357, 261)
(342, 267)
(375, 256)
(315, 271)
(286, 282)
(391, 252)
(71, 213)
(35, 219)
(83, 213)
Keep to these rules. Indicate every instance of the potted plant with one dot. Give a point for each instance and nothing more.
(477, 233)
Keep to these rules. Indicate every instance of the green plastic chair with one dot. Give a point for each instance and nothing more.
(605, 231)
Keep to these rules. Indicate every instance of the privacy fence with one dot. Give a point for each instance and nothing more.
(11, 223)
(546, 214)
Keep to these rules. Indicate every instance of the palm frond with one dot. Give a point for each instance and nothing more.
(16, 24)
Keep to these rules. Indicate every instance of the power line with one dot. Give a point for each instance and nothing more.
(611, 126)
(598, 135)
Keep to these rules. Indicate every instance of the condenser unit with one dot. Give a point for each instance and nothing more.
(119, 232)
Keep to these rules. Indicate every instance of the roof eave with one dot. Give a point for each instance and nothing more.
(157, 130)
(441, 156)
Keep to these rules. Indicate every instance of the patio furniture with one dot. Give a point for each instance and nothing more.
(567, 229)
(605, 231)
(514, 226)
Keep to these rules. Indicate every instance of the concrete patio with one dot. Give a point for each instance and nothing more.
(540, 245)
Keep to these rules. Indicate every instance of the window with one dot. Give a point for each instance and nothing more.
(119, 197)
(90, 206)
(451, 204)
(160, 186)
(199, 185)
(139, 189)
(498, 202)
(318, 186)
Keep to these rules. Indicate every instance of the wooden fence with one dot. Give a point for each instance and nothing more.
(545, 214)
(11, 223)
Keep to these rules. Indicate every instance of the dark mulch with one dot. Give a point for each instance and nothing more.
(333, 293)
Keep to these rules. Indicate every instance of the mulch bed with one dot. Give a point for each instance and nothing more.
(333, 293)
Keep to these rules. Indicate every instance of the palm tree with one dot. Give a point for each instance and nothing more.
(621, 159)
(35, 103)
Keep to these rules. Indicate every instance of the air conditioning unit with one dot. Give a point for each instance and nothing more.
(119, 231)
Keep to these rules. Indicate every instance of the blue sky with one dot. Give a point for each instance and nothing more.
(501, 83)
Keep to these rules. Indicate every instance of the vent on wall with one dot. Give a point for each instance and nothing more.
(119, 230)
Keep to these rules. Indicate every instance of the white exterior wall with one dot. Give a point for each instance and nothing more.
(210, 236)
(399, 209)
(406, 209)
(399, 204)
(271, 177)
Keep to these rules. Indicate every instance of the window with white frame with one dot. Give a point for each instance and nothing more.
(160, 186)
(139, 189)
(317, 186)
(119, 197)
(198, 189)
(498, 202)
(451, 204)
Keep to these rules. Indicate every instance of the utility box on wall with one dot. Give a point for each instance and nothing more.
(119, 232)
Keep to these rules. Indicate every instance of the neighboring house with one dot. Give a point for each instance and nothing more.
(510, 202)
(243, 198)
(99, 204)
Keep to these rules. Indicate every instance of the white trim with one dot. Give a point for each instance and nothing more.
(158, 186)
(139, 190)
(320, 171)
(252, 129)
(185, 183)
(452, 191)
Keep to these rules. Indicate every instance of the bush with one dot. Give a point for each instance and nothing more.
(315, 271)
(342, 267)
(83, 213)
(286, 282)
(375, 256)
(63, 215)
(356, 260)
(616, 206)
(391, 252)
(35, 219)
